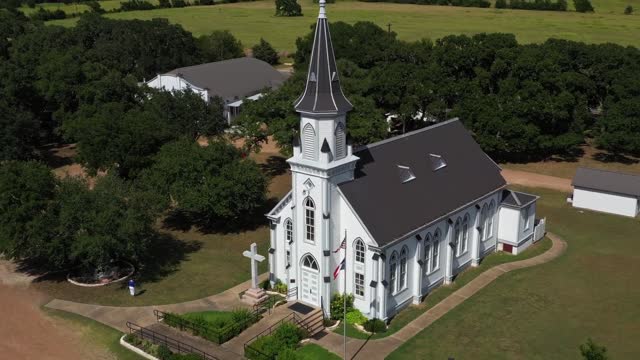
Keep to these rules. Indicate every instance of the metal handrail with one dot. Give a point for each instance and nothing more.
(161, 339)
(198, 329)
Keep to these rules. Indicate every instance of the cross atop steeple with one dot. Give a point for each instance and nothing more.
(322, 93)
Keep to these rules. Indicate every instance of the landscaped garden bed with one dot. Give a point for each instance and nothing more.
(159, 352)
(215, 326)
(281, 344)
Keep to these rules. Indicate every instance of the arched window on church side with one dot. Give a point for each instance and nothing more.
(465, 234)
(341, 141)
(288, 230)
(490, 215)
(359, 253)
(483, 221)
(435, 252)
(457, 236)
(309, 146)
(393, 272)
(427, 254)
(309, 219)
(403, 268)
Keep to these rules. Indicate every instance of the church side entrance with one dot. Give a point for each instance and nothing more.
(309, 286)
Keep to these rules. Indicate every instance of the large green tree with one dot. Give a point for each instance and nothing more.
(220, 45)
(215, 182)
(19, 133)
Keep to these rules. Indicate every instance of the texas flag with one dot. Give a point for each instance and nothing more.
(340, 267)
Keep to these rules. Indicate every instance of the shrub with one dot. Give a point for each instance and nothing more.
(45, 15)
(265, 52)
(337, 304)
(281, 287)
(288, 8)
(95, 7)
(375, 326)
(241, 316)
(583, 6)
(164, 4)
(501, 4)
(179, 3)
(289, 335)
(164, 353)
(266, 285)
(288, 354)
(355, 317)
(132, 5)
(284, 339)
(628, 10)
(204, 2)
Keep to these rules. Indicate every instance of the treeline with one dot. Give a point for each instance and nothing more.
(559, 5)
(82, 85)
(548, 5)
(521, 102)
(463, 3)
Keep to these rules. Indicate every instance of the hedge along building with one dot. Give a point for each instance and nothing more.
(415, 210)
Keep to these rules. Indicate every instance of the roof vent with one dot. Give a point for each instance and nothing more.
(406, 174)
(437, 162)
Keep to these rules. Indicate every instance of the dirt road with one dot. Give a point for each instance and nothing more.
(537, 180)
(26, 332)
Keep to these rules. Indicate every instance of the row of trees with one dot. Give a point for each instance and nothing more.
(521, 102)
(81, 85)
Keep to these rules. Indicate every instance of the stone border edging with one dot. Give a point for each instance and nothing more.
(136, 350)
(133, 270)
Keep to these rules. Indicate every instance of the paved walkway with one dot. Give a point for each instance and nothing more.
(380, 348)
(530, 179)
(117, 316)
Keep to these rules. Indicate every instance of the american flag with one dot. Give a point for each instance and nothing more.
(340, 267)
(343, 245)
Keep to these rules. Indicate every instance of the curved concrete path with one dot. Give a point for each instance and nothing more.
(380, 348)
(117, 316)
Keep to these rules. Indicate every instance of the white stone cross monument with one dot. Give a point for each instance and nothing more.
(255, 294)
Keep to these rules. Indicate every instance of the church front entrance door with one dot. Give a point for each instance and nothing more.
(310, 281)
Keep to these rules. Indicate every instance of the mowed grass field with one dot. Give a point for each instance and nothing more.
(546, 312)
(250, 21)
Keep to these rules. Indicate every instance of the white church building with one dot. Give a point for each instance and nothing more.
(415, 209)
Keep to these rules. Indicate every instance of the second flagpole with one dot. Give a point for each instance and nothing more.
(344, 296)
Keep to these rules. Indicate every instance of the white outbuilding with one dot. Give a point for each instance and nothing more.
(607, 191)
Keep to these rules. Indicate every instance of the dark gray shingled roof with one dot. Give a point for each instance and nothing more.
(232, 79)
(322, 93)
(517, 199)
(391, 209)
(610, 181)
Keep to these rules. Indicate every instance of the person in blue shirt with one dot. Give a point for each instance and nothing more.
(132, 287)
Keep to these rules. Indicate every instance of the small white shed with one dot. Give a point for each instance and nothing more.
(607, 191)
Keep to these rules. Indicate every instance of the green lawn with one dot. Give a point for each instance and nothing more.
(74, 8)
(314, 352)
(97, 334)
(214, 264)
(546, 312)
(249, 21)
(413, 311)
(210, 316)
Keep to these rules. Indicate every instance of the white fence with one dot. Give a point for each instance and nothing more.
(540, 229)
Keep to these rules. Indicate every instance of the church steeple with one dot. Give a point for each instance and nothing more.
(322, 93)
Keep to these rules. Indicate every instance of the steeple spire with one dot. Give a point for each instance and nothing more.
(322, 93)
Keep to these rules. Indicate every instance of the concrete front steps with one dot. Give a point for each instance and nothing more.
(314, 322)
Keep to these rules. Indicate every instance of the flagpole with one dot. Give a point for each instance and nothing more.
(344, 296)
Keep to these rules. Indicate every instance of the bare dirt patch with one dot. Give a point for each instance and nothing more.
(530, 179)
(28, 333)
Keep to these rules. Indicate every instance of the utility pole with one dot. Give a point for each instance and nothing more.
(389, 28)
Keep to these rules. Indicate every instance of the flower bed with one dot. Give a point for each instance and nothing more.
(282, 344)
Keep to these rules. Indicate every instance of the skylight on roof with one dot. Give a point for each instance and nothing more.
(406, 174)
(437, 162)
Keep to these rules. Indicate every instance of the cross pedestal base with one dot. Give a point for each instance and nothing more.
(254, 296)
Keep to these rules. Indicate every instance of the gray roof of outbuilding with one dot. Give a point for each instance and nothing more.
(322, 93)
(610, 181)
(517, 199)
(232, 79)
(391, 209)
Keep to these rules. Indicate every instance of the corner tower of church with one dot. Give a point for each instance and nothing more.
(322, 159)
